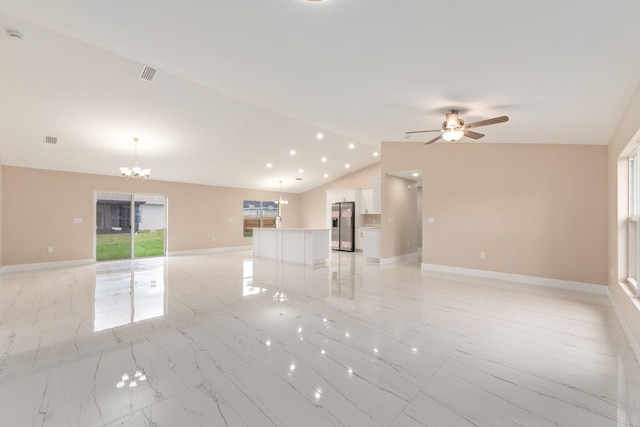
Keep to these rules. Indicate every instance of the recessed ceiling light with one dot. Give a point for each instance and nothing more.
(415, 174)
(319, 135)
(375, 154)
(324, 159)
(351, 146)
(347, 166)
(292, 152)
(269, 165)
(300, 170)
(326, 175)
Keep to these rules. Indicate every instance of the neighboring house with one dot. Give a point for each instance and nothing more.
(114, 216)
(152, 216)
(113, 213)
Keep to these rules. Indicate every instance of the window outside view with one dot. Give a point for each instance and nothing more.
(258, 214)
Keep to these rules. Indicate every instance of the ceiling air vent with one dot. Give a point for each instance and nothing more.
(50, 140)
(148, 73)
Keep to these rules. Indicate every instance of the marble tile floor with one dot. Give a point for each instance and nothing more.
(232, 340)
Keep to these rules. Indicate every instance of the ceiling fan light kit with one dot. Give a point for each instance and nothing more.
(452, 135)
(453, 128)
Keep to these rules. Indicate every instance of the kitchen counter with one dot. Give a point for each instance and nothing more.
(303, 245)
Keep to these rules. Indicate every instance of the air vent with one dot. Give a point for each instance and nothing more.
(298, 179)
(50, 140)
(148, 73)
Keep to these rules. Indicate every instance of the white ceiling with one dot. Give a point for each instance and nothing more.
(243, 82)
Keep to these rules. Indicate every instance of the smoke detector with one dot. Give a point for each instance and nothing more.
(15, 35)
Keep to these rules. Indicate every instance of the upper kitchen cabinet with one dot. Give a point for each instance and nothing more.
(376, 202)
(343, 195)
(366, 201)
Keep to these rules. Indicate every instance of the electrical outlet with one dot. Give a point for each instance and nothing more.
(50, 249)
(213, 239)
(483, 255)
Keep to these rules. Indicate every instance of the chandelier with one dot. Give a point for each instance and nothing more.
(136, 172)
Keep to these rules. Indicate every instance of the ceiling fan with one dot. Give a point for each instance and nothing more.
(453, 128)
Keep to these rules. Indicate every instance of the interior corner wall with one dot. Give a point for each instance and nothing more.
(399, 221)
(313, 203)
(534, 210)
(1, 211)
(419, 216)
(624, 139)
(39, 207)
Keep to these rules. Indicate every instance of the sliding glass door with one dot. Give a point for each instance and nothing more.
(130, 226)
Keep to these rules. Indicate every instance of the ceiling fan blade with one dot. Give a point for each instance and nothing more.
(472, 134)
(406, 134)
(433, 140)
(493, 121)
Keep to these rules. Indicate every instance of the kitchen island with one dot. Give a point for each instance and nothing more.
(303, 245)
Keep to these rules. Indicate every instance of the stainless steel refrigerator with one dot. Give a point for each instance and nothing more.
(343, 226)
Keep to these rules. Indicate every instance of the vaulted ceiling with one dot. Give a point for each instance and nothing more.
(242, 83)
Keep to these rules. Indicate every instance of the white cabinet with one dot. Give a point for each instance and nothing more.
(358, 239)
(366, 201)
(302, 245)
(376, 201)
(371, 243)
(348, 195)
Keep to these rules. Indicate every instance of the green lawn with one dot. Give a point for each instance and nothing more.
(118, 246)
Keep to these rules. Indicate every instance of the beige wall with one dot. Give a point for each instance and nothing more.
(624, 138)
(399, 226)
(535, 210)
(313, 207)
(1, 215)
(39, 207)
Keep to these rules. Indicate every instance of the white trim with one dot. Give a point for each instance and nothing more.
(45, 265)
(398, 259)
(529, 280)
(210, 251)
(625, 327)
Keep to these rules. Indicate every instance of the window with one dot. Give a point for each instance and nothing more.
(258, 214)
(632, 223)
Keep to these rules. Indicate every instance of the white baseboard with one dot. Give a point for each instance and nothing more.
(518, 278)
(45, 265)
(625, 327)
(398, 259)
(210, 251)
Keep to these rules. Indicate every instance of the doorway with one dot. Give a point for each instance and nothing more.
(130, 226)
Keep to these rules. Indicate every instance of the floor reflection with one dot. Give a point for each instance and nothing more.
(129, 292)
(248, 281)
(343, 275)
